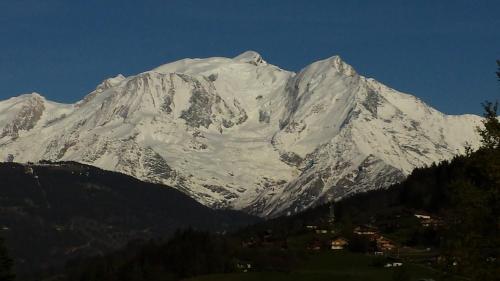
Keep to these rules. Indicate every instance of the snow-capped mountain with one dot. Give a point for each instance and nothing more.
(241, 133)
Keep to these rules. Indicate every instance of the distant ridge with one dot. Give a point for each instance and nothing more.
(53, 212)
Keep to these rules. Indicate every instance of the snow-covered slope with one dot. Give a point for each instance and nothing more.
(241, 133)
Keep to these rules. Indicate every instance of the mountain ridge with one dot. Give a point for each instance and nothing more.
(78, 210)
(241, 133)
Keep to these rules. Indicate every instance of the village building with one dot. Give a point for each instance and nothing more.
(422, 216)
(339, 243)
(427, 220)
(365, 230)
(369, 231)
(311, 227)
(393, 264)
(384, 244)
(321, 231)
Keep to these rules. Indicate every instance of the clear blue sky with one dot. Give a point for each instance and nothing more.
(441, 51)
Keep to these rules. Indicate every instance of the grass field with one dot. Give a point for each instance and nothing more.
(328, 265)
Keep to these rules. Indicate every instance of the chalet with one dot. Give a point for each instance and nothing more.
(393, 264)
(422, 216)
(426, 220)
(339, 243)
(365, 231)
(384, 244)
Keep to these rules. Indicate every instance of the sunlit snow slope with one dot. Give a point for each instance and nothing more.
(241, 133)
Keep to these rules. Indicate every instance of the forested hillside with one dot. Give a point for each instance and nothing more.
(52, 212)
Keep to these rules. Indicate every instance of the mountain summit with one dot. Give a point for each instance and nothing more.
(241, 133)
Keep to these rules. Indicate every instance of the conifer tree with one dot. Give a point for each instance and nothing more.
(490, 134)
(6, 263)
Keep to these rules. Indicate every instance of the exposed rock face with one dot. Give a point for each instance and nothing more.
(241, 133)
(29, 111)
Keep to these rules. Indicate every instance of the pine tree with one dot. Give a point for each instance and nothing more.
(6, 264)
(490, 134)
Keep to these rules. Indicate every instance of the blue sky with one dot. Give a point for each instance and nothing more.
(444, 52)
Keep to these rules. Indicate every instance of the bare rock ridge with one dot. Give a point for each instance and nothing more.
(241, 133)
